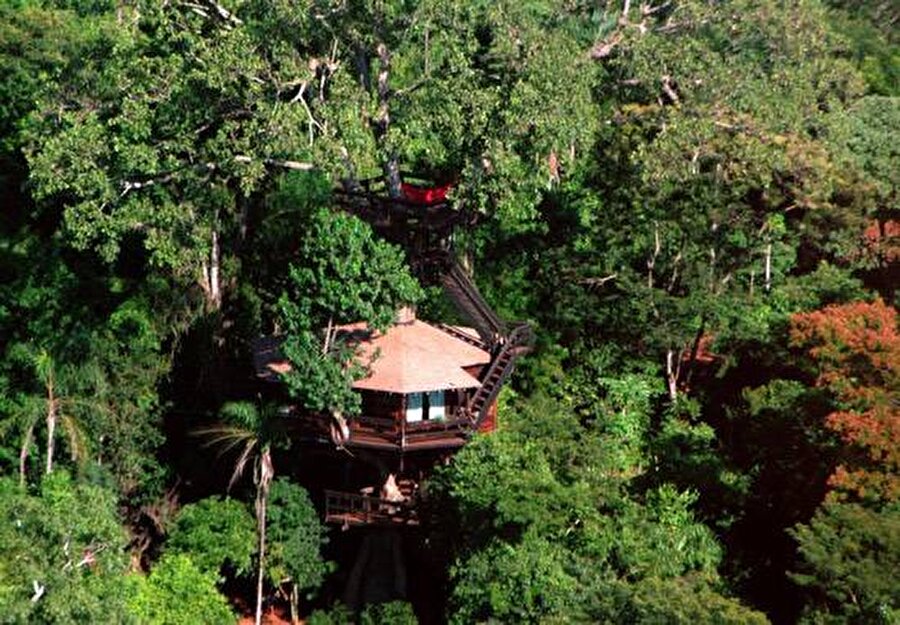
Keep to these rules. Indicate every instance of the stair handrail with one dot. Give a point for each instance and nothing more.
(487, 322)
(518, 341)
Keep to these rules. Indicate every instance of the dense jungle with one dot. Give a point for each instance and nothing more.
(693, 204)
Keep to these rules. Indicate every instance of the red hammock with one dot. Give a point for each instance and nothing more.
(424, 195)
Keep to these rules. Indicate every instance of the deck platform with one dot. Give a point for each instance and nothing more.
(351, 509)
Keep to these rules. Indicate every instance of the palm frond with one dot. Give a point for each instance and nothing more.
(76, 437)
(241, 464)
(226, 437)
(27, 439)
(44, 366)
(28, 410)
(87, 404)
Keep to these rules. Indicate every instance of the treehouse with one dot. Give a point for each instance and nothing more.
(429, 387)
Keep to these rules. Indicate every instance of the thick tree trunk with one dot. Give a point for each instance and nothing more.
(391, 166)
(695, 349)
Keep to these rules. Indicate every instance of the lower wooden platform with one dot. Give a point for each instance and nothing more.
(350, 509)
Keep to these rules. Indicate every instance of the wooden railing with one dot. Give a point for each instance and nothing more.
(401, 433)
(354, 509)
(517, 342)
(463, 292)
(464, 336)
(376, 423)
(436, 425)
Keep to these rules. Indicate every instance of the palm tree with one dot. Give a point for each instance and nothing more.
(254, 431)
(56, 404)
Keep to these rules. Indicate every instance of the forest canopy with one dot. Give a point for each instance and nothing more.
(694, 205)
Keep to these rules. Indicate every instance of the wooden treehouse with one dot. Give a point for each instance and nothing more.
(429, 386)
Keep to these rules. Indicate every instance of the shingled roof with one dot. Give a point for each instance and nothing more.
(411, 356)
(414, 356)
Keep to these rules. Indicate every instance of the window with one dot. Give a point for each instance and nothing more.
(425, 406)
(414, 407)
(435, 405)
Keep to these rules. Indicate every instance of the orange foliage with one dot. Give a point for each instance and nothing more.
(881, 241)
(857, 348)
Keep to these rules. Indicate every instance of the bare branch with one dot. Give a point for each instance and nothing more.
(626, 8)
(605, 48)
(597, 282)
(674, 279)
(294, 165)
(669, 90)
(651, 262)
(313, 123)
(647, 10)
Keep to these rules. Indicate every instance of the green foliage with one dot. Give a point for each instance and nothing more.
(215, 533)
(530, 539)
(103, 339)
(343, 275)
(512, 583)
(670, 602)
(846, 550)
(394, 612)
(869, 132)
(503, 482)
(38, 41)
(662, 539)
(339, 614)
(161, 163)
(296, 537)
(661, 187)
(177, 591)
(62, 553)
(321, 382)
(253, 430)
(871, 38)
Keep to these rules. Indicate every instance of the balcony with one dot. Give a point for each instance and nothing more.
(350, 509)
(385, 433)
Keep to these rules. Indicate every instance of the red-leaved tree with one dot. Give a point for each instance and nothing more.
(857, 349)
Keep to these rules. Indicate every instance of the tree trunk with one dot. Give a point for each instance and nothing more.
(261, 523)
(695, 349)
(209, 278)
(295, 604)
(215, 291)
(264, 478)
(391, 167)
(23, 454)
(51, 424)
(672, 374)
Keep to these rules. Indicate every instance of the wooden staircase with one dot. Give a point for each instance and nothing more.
(425, 231)
(517, 343)
(460, 288)
(505, 345)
